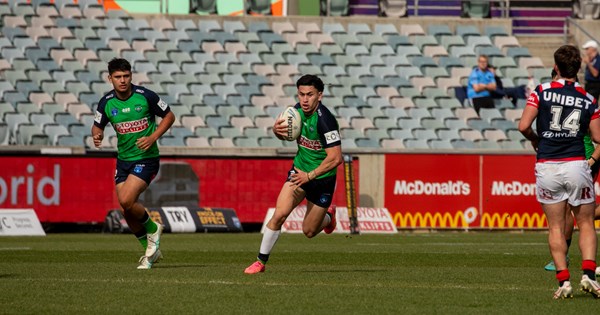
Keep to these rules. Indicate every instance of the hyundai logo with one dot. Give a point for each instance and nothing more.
(547, 134)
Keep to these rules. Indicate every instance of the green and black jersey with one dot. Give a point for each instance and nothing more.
(132, 119)
(319, 131)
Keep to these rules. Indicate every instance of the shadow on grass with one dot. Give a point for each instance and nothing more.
(8, 276)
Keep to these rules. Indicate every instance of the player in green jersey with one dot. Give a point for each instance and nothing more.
(313, 173)
(132, 111)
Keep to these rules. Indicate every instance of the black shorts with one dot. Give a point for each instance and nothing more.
(318, 191)
(144, 169)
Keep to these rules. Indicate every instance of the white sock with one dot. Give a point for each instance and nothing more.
(326, 221)
(268, 241)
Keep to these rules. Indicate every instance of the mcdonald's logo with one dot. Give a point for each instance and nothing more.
(461, 219)
(514, 220)
(444, 220)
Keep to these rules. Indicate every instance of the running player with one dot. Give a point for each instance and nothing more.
(313, 173)
(565, 113)
(131, 110)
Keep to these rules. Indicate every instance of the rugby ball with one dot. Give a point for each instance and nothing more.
(291, 119)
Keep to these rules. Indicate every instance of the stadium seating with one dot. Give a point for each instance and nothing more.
(235, 75)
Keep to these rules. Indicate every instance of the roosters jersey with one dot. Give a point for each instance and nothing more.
(132, 119)
(564, 114)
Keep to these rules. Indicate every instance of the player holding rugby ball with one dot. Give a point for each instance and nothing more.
(313, 174)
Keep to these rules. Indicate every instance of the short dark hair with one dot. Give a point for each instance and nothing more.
(311, 80)
(118, 64)
(568, 61)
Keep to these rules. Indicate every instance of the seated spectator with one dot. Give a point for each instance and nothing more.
(511, 93)
(481, 82)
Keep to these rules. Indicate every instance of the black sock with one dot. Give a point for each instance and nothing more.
(144, 218)
(263, 258)
(590, 273)
(140, 233)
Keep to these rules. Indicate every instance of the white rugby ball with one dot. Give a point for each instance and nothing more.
(291, 119)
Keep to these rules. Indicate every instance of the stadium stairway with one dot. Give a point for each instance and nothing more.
(542, 46)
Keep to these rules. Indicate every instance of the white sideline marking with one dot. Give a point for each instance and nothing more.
(15, 248)
(486, 287)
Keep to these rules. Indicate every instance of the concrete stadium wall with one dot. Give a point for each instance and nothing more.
(452, 22)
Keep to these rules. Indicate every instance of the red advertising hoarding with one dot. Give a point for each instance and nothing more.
(426, 190)
(463, 191)
(59, 189)
(509, 194)
(81, 189)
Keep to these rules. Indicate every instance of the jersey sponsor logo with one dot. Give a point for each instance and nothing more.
(332, 136)
(126, 110)
(98, 117)
(514, 188)
(310, 144)
(132, 126)
(566, 100)
(162, 104)
(114, 112)
(139, 91)
(549, 134)
(418, 187)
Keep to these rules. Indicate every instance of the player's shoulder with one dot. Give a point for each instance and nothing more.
(324, 113)
(108, 96)
(556, 84)
(142, 90)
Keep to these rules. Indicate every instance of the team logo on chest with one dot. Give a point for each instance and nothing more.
(114, 111)
(138, 108)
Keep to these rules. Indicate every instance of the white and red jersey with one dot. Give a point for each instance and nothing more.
(564, 114)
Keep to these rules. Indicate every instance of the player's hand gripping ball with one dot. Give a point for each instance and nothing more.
(291, 119)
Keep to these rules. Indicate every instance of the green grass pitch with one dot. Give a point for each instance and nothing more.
(408, 273)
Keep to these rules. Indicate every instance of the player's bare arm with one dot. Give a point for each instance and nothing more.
(595, 132)
(97, 136)
(332, 160)
(144, 143)
(595, 155)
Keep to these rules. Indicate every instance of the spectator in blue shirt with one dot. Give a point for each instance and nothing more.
(481, 82)
(592, 68)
